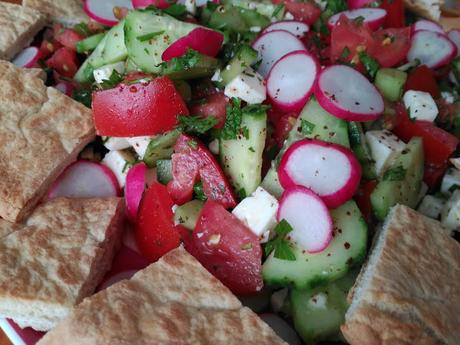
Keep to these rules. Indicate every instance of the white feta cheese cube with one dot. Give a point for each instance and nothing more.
(431, 206)
(384, 145)
(249, 86)
(139, 144)
(455, 162)
(115, 143)
(104, 72)
(450, 181)
(421, 105)
(258, 212)
(288, 16)
(450, 215)
(448, 96)
(119, 162)
(214, 146)
(216, 76)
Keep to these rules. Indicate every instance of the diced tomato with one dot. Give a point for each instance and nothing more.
(422, 79)
(433, 175)
(155, 231)
(139, 109)
(192, 162)
(215, 105)
(203, 89)
(363, 199)
(68, 38)
(283, 127)
(228, 249)
(395, 13)
(390, 46)
(438, 144)
(306, 11)
(64, 61)
(48, 47)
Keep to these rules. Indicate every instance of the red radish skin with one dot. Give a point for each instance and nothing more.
(85, 179)
(272, 46)
(347, 94)
(291, 80)
(102, 11)
(454, 36)
(354, 4)
(161, 4)
(433, 49)
(330, 170)
(27, 58)
(295, 27)
(427, 25)
(135, 186)
(309, 217)
(204, 41)
(374, 17)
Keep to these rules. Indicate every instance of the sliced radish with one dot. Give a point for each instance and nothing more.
(27, 58)
(136, 181)
(291, 80)
(85, 179)
(354, 4)
(102, 11)
(162, 4)
(204, 41)
(282, 328)
(309, 218)
(272, 46)
(65, 87)
(116, 278)
(454, 36)
(347, 94)
(432, 49)
(374, 17)
(427, 25)
(295, 27)
(330, 170)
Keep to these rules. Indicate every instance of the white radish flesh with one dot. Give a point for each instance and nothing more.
(282, 328)
(27, 58)
(85, 179)
(329, 170)
(374, 17)
(102, 11)
(309, 218)
(291, 80)
(347, 94)
(295, 27)
(432, 49)
(427, 25)
(272, 46)
(454, 36)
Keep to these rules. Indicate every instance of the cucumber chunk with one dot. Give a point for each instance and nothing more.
(146, 54)
(242, 157)
(265, 8)
(401, 182)
(164, 170)
(188, 213)
(160, 147)
(319, 313)
(89, 43)
(227, 18)
(360, 148)
(244, 57)
(314, 123)
(390, 83)
(347, 248)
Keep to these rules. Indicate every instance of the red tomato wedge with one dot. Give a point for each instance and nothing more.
(307, 12)
(214, 105)
(64, 61)
(139, 109)
(228, 249)
(68, 38)
(192, 162)
(390, 46)
(155, 231)
(395, 13)
(422, 79)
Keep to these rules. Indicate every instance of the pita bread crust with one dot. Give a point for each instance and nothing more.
(58, 256)
(67, 12)
(18, 26)
(42, 132)
(430, 9)
(173, 301)
(416, 279)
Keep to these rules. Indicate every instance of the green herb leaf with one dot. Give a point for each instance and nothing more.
(454, 187)
(306, 127)
(196, 124)
(395, 174)
(182, 63)
(277, 10)
(83, 96)
(149, 36)
(242, 194)
(279, 245)
(336, 6)
(233, 122)
(359, 20)
(345, 53)
(114, 79)
(199, 192)
(193, 144)
(82, 29)
(370, 64)
(175, 10)
(256, 108)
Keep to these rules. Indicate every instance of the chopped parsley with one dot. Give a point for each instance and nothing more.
(193, 144)
(306, 127)
(175, 10)
(83, 96)
(336, 6)
(233, 122)
(114, 79)
(280, 245)
(345, 53)
(182, 63)
(199, 192)
(149, 36)
(359, 20)
(196, 124)
(370, 64)
(242, 194)
(82, 29)
(395, 174)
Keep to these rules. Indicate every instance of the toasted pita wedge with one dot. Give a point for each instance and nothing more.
(430, 9)
(18, 26)
(173, 301)
(409, 290)
(57, 258)
(67, 12)
(42, 132)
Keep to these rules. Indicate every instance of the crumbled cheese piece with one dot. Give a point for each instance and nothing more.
(214, 146)
(249, 86)
(119, 162)
(431, 206)
(115, 143)
(450, 215)
(104, 72)
(450, 181)
(421, 105)
(383, 145)
(139, 144)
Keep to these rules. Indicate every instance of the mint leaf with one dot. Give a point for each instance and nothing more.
(196, 124)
